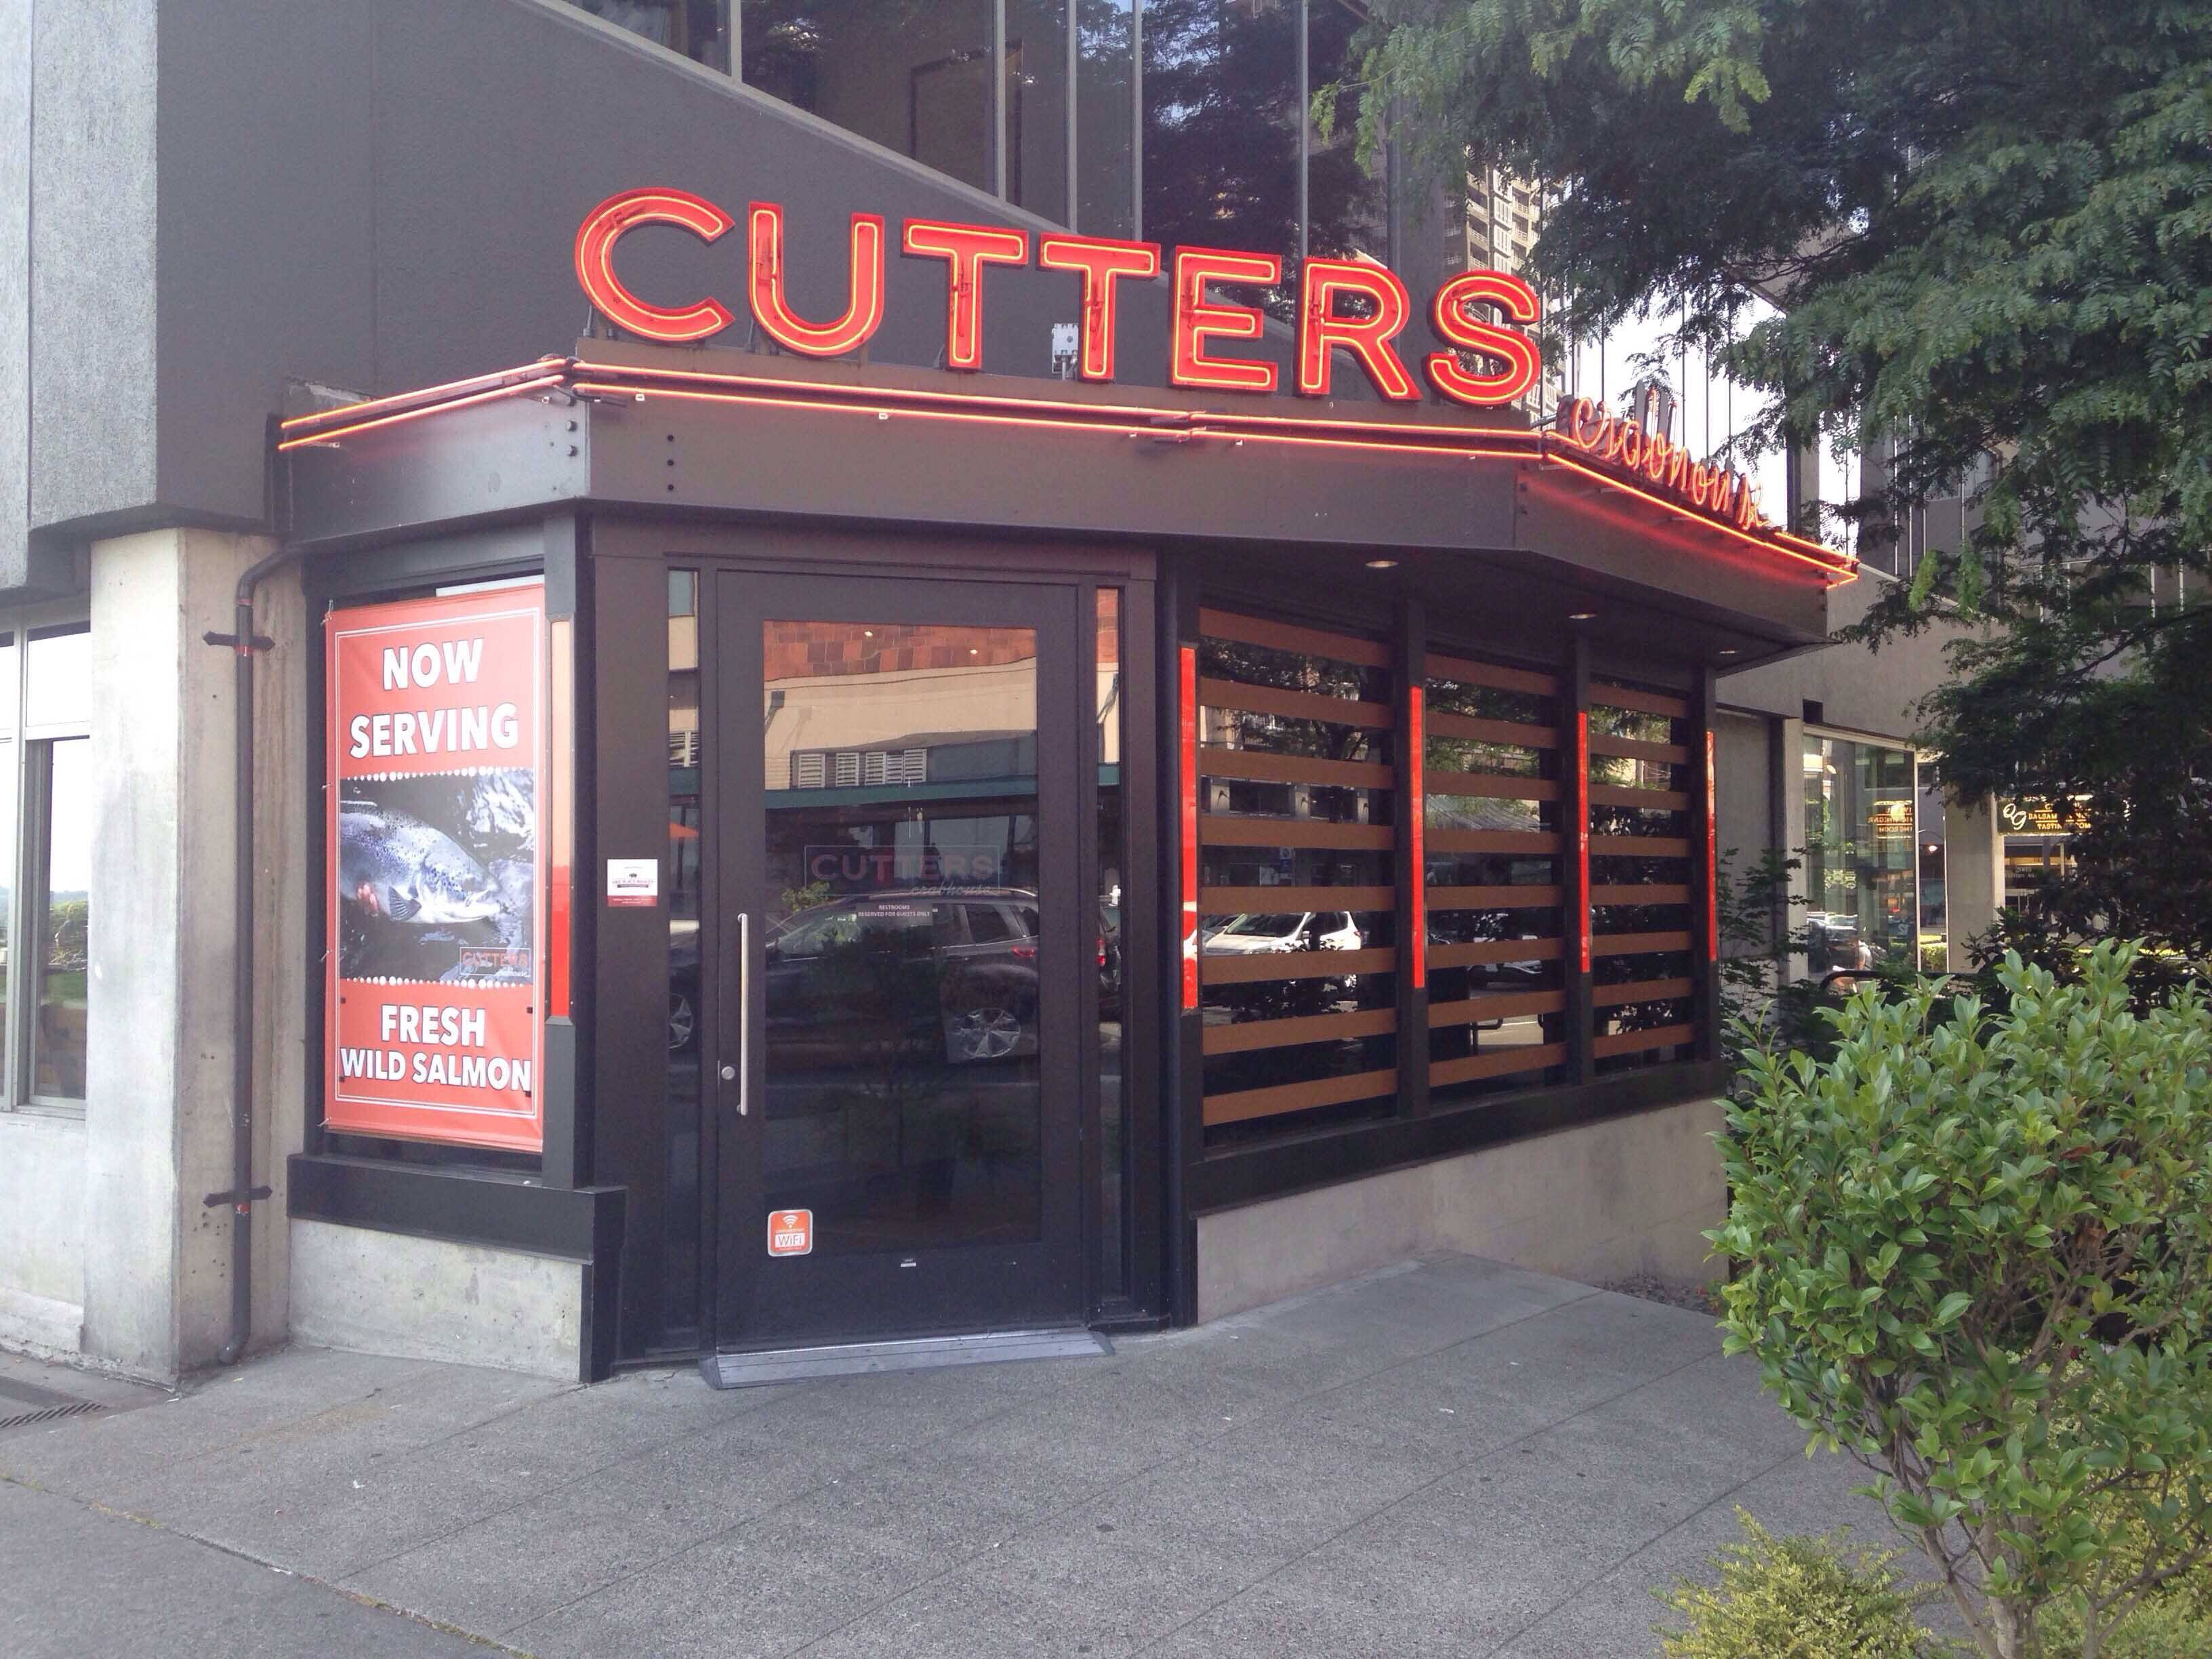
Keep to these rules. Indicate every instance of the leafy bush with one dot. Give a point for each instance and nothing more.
(1797, 1598)
(2154, 1630)
(1974, 1250)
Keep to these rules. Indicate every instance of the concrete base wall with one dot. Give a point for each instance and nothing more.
(422, 1299)
(1630, 1195)
(41, 1232)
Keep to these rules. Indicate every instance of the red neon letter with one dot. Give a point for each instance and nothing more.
(1101, 260)
(607, 223)
(967, 248)
(864, 310)
(1456, 324)
(1367, 338)
(1196, 319)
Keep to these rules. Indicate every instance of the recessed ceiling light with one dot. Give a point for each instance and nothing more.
(1730, 651)
(1581, 616)
(1381, 564)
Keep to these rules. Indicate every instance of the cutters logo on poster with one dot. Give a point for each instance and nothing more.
(436, 924)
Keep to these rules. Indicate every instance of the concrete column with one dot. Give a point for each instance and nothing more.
(1974, 874)
(158, 1110)
(281, 828)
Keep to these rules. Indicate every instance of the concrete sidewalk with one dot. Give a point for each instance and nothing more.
(1447, 1458)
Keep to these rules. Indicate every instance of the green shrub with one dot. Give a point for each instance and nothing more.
(1974, 1249)
(1797, 1598)
(2157, 1630)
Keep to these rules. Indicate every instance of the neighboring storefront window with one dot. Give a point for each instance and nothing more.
(1861, 855)
(45, 855)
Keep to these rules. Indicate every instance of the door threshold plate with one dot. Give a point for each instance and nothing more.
(753, 1371)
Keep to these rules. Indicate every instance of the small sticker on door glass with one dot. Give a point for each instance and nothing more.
(791, 1232)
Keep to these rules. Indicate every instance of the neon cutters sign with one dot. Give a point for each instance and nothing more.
(1476, 312)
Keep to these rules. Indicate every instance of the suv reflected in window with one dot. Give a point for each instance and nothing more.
(926, 974)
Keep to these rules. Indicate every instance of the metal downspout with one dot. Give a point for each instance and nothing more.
(243, 1194)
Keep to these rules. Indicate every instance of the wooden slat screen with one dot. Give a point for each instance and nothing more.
(1492, 750)
(1643, 794)
(1301, 843)
(1296, 886)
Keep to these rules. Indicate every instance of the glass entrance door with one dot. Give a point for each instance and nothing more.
(900, 1081)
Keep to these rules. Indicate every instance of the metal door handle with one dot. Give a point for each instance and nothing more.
(744, 1010)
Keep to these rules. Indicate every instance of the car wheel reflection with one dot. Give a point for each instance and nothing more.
(990, 1032)
(682, 1022)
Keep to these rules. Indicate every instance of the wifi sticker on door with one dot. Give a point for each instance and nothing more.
(791, 1232)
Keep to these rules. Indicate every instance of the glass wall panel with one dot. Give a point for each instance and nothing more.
(1861, 855)
(1221, 138)
(1113, 1088)
(1036, 106)
(914, 75)
(1105, 119)
(1222, 118)
(679, 880)
(1642, 957)
(700, 29)
(60, 675)
(905, 1048)
(1491, 866)
(63, 873)
(1298, 930)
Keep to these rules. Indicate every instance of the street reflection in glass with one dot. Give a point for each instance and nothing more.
(902, 933)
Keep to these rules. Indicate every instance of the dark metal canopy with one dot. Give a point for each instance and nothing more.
(1491, 515)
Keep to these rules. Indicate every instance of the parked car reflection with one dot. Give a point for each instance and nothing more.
(909, 975)
(1267, 933)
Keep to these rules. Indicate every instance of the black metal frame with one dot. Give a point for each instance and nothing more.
(840, 1298)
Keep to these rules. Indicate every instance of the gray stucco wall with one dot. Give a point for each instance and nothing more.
(14, 284)
(95, 84)
(1859, 690)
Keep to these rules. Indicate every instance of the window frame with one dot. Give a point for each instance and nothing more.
(27, 836)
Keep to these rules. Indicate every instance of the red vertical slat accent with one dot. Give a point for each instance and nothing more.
(1713, 859)
(1187, 718)
(1416, 782)
(1581, 835)
(560, 768)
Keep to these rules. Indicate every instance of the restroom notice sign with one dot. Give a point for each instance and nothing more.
(436, 923)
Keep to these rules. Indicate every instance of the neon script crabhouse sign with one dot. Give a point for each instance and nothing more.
(1197, 318)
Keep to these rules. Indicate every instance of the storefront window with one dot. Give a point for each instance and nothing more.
(46, 854)
(62, 779)
(1862, 855)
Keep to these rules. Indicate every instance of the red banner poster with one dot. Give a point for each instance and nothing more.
(436, 837)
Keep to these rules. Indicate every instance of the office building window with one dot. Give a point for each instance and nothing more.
(700, 29)
(1040, 102)
(46, 811)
